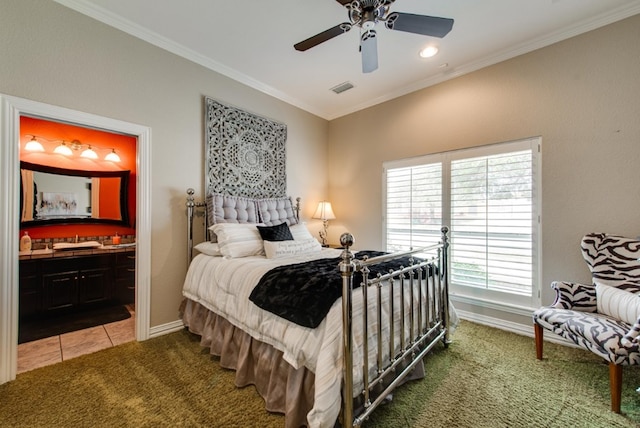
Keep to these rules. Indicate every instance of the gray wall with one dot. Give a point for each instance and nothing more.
(581, 95)
(53, 55)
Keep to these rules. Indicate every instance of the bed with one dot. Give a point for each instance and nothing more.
(308, 361)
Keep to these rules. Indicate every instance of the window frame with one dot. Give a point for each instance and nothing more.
(474, 294)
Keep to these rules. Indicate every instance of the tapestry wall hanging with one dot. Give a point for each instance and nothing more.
(245, 153)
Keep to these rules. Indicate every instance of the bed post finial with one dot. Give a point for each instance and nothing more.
(347, 240)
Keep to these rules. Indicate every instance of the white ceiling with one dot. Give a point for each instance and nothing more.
(252, 41)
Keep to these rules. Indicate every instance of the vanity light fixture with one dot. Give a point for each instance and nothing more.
(113, 156)
(89, 153)
(63, 149)
(34, 145)
(67, 148)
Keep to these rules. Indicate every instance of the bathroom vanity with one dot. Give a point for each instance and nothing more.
(55, 282)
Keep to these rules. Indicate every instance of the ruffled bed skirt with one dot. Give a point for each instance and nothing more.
(283, 388)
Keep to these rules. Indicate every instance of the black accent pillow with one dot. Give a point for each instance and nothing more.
(278, 232)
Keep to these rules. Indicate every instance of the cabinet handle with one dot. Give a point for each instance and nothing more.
(131, 257)
(131, 270)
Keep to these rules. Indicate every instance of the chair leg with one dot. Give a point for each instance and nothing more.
(538, 333)
(615, 385)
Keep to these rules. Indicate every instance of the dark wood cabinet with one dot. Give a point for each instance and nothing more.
(52, 285)
(125, 288)
(30, 289)
(69, 282)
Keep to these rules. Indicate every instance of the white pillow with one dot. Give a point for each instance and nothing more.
(300, 232)
(238, 240)
(209, 248)
(617, 303)
(277, 249)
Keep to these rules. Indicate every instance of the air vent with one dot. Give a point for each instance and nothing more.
(342, 87)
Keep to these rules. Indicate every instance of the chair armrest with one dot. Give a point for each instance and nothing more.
(630, 339)
(571, 295)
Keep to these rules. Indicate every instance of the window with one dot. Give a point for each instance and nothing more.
(489, 198)
(414, 206)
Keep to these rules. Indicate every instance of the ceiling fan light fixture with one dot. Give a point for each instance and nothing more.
(428, 52)
(365, 14)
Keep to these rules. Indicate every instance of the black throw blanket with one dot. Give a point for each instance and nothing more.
(303, 293)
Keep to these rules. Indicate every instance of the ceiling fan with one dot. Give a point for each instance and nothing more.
(366, 14)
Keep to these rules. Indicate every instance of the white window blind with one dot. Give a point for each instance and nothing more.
(414, 206)
(489, 198)
(492, 222)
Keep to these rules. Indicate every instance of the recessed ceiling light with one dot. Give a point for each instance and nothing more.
(428, 52)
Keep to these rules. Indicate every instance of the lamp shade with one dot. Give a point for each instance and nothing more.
(324, 211)
(89, 153)
(113, 156)
(34, 145)
(63, 149)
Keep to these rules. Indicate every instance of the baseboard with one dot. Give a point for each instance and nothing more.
(162, 329)
(512, 327)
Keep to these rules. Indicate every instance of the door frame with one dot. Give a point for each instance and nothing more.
(11, 108)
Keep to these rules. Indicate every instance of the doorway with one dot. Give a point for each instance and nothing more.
(11, 109)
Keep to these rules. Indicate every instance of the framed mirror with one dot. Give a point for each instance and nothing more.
(51, 195)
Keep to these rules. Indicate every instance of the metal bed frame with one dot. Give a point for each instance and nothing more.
(427, 321)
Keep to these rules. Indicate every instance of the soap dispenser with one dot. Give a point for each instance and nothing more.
(25, 242)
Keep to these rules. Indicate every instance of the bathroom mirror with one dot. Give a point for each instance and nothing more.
(51, 195)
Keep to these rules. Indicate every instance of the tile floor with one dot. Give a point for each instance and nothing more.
(51, 350)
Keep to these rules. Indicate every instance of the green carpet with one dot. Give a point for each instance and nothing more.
(486, 378)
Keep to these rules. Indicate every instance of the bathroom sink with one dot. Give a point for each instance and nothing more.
(76, 245)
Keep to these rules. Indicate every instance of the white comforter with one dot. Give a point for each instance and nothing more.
(223, 285)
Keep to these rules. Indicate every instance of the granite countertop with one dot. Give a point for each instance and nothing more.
(71, 251)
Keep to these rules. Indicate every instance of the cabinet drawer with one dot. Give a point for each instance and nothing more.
(126, 274)
(126, 259)
(77, 263)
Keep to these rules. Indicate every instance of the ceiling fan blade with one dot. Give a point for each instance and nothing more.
(323, 37)
(419, 24)
(344, 2)
(369, 51)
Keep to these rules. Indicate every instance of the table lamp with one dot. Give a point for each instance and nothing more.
(324, 213)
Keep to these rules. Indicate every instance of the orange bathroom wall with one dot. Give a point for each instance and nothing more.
(109, 200)
(50, 134)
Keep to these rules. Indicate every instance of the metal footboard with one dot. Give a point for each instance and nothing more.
(424, 283)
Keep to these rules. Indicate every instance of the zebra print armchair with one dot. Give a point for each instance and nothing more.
(602, 317)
